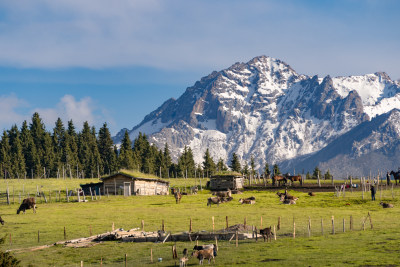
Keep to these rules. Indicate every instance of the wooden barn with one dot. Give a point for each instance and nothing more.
(127, 184)
(225, 181)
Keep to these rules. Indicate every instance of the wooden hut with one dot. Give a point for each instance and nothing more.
(131, 183)
(226, 180)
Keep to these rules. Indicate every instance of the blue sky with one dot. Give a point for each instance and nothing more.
(116, 61)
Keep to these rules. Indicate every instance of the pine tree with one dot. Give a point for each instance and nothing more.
(267, 172)
(48, 156)
(308, 176)
(276, 170)
(167, 161)
(38, 130)
(208, 164)
(327, 175)
(70, 156)
(32, 160)
(17, 155)
(316, 173)
(125, 158)
(58, 138)
(235, 164)
(186, 164)
(106, 150)
(221, 165)
(5, 155)
(252, 166)
(245, 169)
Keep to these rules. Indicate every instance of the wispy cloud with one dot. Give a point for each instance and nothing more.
(335, 37)
(10, 113)
(14, 110)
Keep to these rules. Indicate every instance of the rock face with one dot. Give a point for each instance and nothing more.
(265, 109)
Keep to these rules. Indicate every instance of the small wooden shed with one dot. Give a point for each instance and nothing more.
(127, 184)
(225, 181)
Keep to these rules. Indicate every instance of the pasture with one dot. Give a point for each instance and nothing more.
(369, 247)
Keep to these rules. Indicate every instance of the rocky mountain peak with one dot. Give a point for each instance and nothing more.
(264, 109)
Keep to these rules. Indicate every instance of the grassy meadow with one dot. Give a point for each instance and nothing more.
(371, 247)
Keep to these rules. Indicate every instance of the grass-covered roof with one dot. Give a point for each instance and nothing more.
(227, 173)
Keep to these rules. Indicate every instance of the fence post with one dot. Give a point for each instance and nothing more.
(279, 223)
(309, 227)
(151, 255)
(245, 222)
(190, 226)
(113, 227)
(212, 218)
(143, 225)
(322, 226)
(65, 234)
(351, 222)
(126, 260)
(67, 194)
(163, 226)
(227, 224)
(274, 233)
(344, 225)
(294, 230)
(370, 221)
(261, 223)
(216, 242)
(8, 196)
(38, 236)
(333, 225)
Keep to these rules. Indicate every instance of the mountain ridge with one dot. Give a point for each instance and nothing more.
(265, 109)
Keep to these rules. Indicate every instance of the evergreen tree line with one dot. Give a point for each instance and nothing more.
(31, 152)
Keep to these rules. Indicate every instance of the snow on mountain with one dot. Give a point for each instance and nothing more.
(265, 109)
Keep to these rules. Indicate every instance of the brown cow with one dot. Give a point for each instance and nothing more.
(178, 197)
(27, 203)
(311, 194)
(227, 193)
(1, 221)
(247, 201)
(266, 233)
(386, 205)
(204, 254)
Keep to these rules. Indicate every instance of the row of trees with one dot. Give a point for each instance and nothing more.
(31, 151)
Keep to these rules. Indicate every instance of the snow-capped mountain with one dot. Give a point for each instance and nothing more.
(265, 109)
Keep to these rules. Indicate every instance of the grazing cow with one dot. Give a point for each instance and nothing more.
(386, 205)
(266, 233)
(213, 200)
(194, 190)
(185, 252)
(203, 247)
(288, 197)
(224, 193)
(204, 254)
(27, 203)
(182, 261)
(311, 194)
(178, 197)
(225, 199)
(247, 201)
(289, 201)
(1, 221)
(235, 191)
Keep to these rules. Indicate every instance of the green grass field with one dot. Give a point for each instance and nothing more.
(371, 247)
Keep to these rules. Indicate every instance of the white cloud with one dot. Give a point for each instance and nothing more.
(79, 111)
(9, 114)
(14, 110)
(180, 34)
